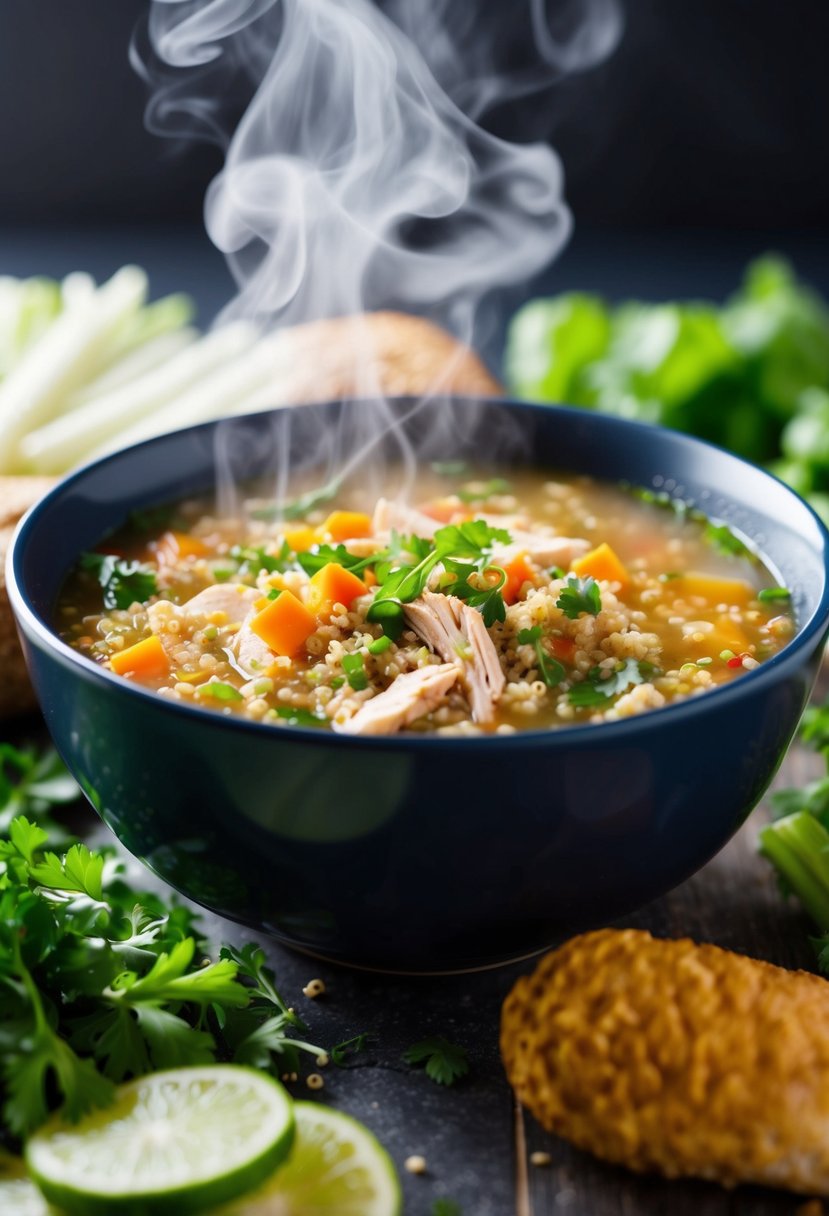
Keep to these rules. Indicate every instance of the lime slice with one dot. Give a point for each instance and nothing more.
(18, 1195)
(336, 1168)
(172, 1142)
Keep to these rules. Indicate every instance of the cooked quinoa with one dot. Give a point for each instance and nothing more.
(526, 604)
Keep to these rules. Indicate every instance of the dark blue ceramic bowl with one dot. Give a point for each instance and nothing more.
(418, 853)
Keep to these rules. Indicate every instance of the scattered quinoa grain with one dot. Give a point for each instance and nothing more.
(539, 1158)
(313, 989)
(415, 1164)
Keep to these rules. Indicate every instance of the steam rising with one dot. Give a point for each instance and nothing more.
(357, 175)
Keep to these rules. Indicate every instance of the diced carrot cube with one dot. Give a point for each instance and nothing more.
(562, 648)
(284, 625)
(173, 546)
(711, 589)
(345, 525)
(145, 660)
(333, 584)
(300, 540)
(518, 572)
(603, 564)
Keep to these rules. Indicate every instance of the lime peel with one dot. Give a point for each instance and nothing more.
(172, 1142)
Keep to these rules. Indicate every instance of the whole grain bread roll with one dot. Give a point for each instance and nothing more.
(17, 494)
(386, 352)
(676, 1058)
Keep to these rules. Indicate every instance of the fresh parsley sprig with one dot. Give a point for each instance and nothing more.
(552, 672)
(600, 687)
(580, 596)
(124, 582)
(445, 1062)
(472, 540)
(100, 981)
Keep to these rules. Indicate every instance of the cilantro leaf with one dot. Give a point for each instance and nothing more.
(124, 582)
(551, 670)
(445, 1062)
(600, 687)
(252, 560)
(32, 785)
(580, 595)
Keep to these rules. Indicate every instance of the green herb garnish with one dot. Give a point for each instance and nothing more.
(299, 507)
(99, 980)
(600, 687)
(551, 671)
(124, 582)
(252, 559)
(580, 595)
(448, 468)
(445, 1062)
(401, 585)
(771, 595)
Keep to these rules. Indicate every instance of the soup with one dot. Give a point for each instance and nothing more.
(493, 605)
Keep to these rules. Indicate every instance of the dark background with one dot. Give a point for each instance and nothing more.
(710, 113)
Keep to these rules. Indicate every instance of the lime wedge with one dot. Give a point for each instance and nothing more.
(336, 1168)
(18, 1195)
(172, 1142)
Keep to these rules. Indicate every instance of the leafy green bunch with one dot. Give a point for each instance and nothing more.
(99, 981)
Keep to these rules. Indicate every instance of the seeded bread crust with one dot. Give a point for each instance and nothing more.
(17, 494)
(676, 1058)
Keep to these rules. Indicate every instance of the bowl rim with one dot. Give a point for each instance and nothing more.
(767, 672)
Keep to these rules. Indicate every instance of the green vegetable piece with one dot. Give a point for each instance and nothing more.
(771, 595)
(301, 717)
(221, 691)
(379, 645)
(798, 848)
(580, 595)
(721, 538)
(124, 582)
(551, 670)
(550, 344)
(355, 672)
(445, 1062)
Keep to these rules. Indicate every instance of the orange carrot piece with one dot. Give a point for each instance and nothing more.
(601, 563)
(300, 540)
(173, 546)
(333, 584)
(518, 571)
(562, 648)
(711, 589)
(284, 625)
(345, 525)
(145, 660)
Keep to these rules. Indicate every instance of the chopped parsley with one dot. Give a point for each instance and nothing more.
(103, 981)
(481, 589)
(400, 585)
(252, 560)
(355, 671)
(124, 582)
(580, 595)
(445, 1062)
(551, 671)
(600, 687)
